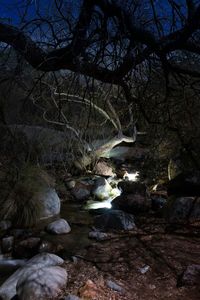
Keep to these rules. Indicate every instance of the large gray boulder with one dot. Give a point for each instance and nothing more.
(51, 202)
(44, 283)
(8, 288)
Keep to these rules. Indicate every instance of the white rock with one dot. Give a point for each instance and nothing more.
(44, 283)
(8, 288)
(59, 227)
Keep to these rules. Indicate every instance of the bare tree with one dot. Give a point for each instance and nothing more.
(115, 42)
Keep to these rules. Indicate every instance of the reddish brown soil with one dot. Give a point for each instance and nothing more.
(121, 258)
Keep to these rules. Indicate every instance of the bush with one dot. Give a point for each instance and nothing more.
(23, 206)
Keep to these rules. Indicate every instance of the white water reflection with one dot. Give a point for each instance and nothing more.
(92, 204)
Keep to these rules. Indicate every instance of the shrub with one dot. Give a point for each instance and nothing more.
(23, 206)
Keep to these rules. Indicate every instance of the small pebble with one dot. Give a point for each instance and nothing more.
(114, 286)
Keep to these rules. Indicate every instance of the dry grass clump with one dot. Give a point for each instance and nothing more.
(23, 206)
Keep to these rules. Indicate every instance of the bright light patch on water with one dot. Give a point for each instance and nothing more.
(132, 176)
(91, 204)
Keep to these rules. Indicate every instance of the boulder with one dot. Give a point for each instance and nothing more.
(183, 209)
(102, 189)
(132, 203)
(51, 203)
(8, 288)
(185, 184)
(131, 187)
(114, 219)
(191, 276)
(59, 227)
(81, 191)
(103, 168)
(44, 283)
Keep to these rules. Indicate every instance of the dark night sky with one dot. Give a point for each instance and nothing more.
(11, 10)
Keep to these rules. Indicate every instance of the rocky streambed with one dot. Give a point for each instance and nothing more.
(108, 227)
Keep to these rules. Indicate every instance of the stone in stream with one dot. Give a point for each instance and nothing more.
(131, 187)
(81, 191)
(114, 219)
(59, 227)
(7, 244)
(8, 288)
(103, 168)
(44, 283)
(102, 189)
(132, 203)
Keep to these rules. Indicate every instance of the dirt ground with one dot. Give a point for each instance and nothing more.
(165, 251)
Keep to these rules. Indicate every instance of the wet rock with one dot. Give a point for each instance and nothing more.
(46, 246)
(131, 187)
(183, 209)
(97, 235)
(185, 184)
(8, 288)
(26, 248)
(59, 227)
(191, 276)
(43, 283)
(7, 244)
(103, 168)
(81, 191)
(114, 219)
(51, 203)
(132, 203)
(102, 189)
(114, 286)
